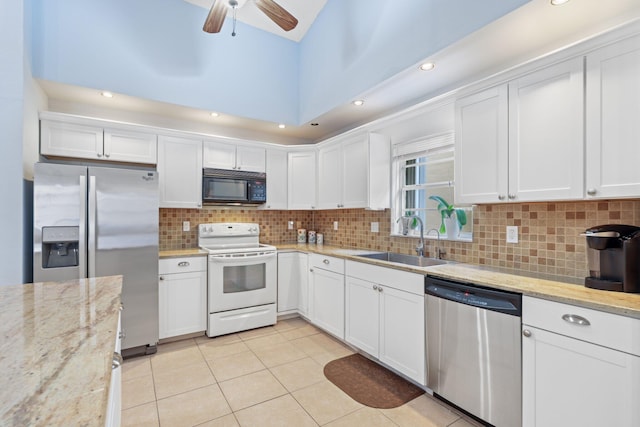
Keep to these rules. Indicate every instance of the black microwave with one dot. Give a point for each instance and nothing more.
(233, 187)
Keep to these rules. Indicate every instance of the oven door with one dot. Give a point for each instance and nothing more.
(241, 280)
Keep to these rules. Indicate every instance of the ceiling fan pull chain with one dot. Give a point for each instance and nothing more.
(233, 34)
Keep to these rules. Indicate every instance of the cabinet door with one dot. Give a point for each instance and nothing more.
(613, 125)
(481, 151)
(250, 159)
(302, 180)
(180, 172)
(328, 301)
(355, 172)
(70, 140)
(402, 336)
(330, 177)
(276, 180)
(362, 315)
(182, 303)
(305, 285)
(292, 275)
(218, 155)
(128, 146)
(546, 155)
(568, 382)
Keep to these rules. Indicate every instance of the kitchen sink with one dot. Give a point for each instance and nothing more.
(414, 260)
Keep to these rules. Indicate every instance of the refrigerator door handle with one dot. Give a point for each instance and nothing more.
(82, 232)
(91, 249)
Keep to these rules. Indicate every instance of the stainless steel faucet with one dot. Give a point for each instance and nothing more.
(420, 247)
(438, 251)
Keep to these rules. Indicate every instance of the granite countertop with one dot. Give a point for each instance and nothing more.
(56, 352)
(560, 289)
(178, 253)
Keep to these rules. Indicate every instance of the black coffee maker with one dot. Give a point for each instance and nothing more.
(613, 255)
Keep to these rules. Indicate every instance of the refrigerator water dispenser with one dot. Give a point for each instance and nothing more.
(60, 247)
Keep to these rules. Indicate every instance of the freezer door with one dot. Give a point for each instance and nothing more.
(123, 240)
(59, 225)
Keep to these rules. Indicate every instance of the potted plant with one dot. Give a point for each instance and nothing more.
(453, 219)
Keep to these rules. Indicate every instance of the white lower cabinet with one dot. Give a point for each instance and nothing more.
(182, 296)
(385, 316)
(326, 293)
(577, 374)
(292, 282)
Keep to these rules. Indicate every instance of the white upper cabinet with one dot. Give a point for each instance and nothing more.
(522, 141)
(481, 147)
(226, 155)
(301, 179)
(546, 136)
(354, 173)
(66, 139)
(129, 146)
(180, 172)
(276, 179)
(613, 120)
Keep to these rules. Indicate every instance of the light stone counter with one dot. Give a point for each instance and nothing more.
(179, 253)
(560, 290)
(56, 351)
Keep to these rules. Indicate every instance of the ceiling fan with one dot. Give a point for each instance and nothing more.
(273, 10)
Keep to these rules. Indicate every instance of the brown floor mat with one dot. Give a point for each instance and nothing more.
(369, 383)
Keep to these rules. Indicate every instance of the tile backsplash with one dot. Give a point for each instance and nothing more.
(549, 233)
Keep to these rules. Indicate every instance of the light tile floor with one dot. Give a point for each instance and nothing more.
(265, 377)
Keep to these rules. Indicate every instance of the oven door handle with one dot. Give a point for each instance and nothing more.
(253, 259)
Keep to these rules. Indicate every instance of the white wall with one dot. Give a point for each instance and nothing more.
(11, 114)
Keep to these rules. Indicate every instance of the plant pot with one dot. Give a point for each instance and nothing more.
(452, 227)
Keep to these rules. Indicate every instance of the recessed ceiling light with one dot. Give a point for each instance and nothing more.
(314, 124)
(558, 2)
(427, 66)
(214, 114)
(106, 94)
(281, 126)
(358, 102)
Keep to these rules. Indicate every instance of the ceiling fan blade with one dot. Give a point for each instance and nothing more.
(277, 14)
(216, 16)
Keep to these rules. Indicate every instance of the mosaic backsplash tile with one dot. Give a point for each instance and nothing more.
(549, 233)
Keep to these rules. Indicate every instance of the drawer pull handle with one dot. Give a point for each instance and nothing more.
(183, 264)
(575, 319)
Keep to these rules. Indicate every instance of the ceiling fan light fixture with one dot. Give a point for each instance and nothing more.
(358, 102)
(427, 66)
(106, 94)
(214, 114)
(558, 2)
(282, 126)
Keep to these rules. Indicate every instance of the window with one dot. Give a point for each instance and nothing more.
(424, 168)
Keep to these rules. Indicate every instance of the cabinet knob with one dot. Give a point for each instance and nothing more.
(161, 278)
(526, 333)
(501, 197)
(591, 192)
(512, 196)
(380, 289)
(99, 155)
(116, 362)
(311, 270)
(375, 287)
(184, 264)
(326, 261)
(107, 155)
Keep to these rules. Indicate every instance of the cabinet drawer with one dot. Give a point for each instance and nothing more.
(605, 329)
(327, 263)
(401, 280)
(182, 265)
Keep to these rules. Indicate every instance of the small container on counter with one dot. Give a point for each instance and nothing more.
(320, 238)
(302, 235)
(312, 236)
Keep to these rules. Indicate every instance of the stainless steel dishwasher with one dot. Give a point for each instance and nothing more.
(474, 349)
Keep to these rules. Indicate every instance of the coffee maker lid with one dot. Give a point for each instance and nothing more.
(612, 230)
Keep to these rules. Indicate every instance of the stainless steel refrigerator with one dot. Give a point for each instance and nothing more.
(98, 221)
